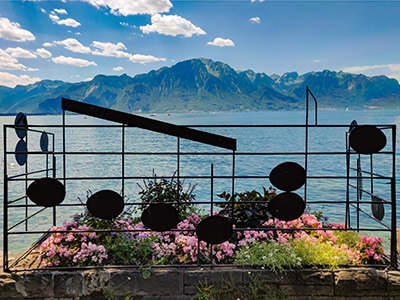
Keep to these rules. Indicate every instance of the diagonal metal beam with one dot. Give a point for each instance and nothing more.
(149, 124)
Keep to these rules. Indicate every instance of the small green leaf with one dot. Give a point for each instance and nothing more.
(146, 273)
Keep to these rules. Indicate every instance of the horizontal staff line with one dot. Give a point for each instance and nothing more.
(192, 177)
(186, 153)
(388, 126)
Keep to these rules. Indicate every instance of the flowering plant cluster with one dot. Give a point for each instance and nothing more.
(76, 247)
(308, 240)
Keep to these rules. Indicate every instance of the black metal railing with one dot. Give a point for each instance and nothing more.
(53, 155)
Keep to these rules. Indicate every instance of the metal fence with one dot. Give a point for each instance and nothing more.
(355, 175)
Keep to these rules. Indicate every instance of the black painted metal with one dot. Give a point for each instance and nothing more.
(147, 123)
(351, 176)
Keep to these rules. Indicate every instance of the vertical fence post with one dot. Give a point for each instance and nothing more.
(5, 204)
(54, 176)
(123, 160)
(26, 184)
(393, 238)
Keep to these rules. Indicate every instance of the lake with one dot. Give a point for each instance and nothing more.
(249, 139)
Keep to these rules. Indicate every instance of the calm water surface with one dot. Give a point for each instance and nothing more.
(248, 140)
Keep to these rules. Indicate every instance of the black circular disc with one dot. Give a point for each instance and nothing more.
(378, 210)
(105, 204)
(286, 206)
(46, 192)
(367, 139)
(215, 229)
(21, 158)
(21, 123)
(160, 217)
(288, 176)
(44, 142)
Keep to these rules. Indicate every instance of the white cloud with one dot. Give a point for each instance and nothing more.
(11, 80)
(7, 62)
(73, 45)
(257, 0)
(12, 31)
(67, 22)
(255, 20)
(32, 69)
(118, 69)
(390, 70)
(143, 59)
(220, 42)
(171, 25)
(54, 17)
(61, 11)
(110, 49)
(317, 61)
(20, 52)
(43, 53)
(47, 44)
(133, 7)
(77, 62)
(43, 10)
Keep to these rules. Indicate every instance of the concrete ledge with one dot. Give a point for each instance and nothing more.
(180, 284)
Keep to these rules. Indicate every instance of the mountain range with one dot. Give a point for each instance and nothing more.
(206, 85)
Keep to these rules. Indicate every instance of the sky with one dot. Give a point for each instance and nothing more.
(76, 40)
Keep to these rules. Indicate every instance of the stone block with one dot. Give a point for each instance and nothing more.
(94, 281)
(269, 276)
(314, 277)
(8, 288)
(121, 282)
(160, 282)
(193, 277)
(68, 284)
(34, 284)
(190, 290)
(308, 290)
(393, 280)
(360, 282)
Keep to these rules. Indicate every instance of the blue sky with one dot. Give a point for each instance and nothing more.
(76, 40)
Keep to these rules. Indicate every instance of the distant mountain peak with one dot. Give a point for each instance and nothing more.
(202, 84)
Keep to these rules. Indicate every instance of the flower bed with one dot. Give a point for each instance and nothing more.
(307, 241)
(273, 246)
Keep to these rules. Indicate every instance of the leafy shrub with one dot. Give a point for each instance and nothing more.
(314, 253)
(247, 214)
(162, 190)
(272, 255)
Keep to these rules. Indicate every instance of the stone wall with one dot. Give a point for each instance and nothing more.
(180, 284)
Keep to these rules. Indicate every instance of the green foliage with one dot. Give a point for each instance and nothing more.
(273, 255)
(314, 253)
(163, 190)
(349, 238)
(125, 250)
(247, 214)
(229, 290)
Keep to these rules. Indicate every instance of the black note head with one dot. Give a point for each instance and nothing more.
(46, 192)
(105, 204)
(353, 125)
(367, 139)
(160, 217)
(288, 176)
(287, 206)
(215, 229)
(21, 124)
(21, 158)
(378, 210)
(44, 142)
